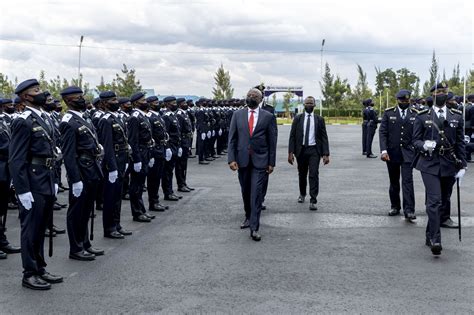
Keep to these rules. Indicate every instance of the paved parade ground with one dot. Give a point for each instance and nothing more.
(348, 256)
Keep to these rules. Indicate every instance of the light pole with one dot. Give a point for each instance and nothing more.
(79, 66)
(321, 69)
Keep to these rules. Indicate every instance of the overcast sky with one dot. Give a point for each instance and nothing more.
(176, 46)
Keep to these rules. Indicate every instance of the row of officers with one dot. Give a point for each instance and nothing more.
(435, 141)
(109, 150)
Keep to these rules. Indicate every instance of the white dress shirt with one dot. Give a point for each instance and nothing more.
(437, 109)
(255, 117)
(401, 112)
(312, 140)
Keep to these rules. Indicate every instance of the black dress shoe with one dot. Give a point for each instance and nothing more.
(264, 207)
(427, 242)
(209, 159)
(157, 207)
(95, 251)
(393, 212)
(203, 162)
(313, 207)
(126, 197)
(179, 197)
(364, 153)
(184, 189)
(125, 232)
(56, 207)
(62, 205)
(371, 156)
(10, 249)
(410, 216)
(245, 224)
(141, 218)
(47, 233)
(192, 157)
(63, 187)
(436, 248)
(50, 278)
(35, 283)
(83, 256)
(449, 224)
(190, 188)
(12, 206)
(171, 198)
(58, 230)
(114, 235)
(301, 199)
(3, 255)
(99, 207)
(254, 235)
(149, 216)
(60, 190)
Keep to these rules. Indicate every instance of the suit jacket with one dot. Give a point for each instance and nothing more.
(424, 129)
(260, 148)
(395, 135)
(297, 135)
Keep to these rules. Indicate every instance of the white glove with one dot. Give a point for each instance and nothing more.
(169, 154)
(77, 189)
(220, 132)
(203, 136)
(151, 162)
(467, 139)
(429, 145)
(209, 134)
(213, 133)
(472, 136)
(56, 188)
(180, 152)
(137, 167)
(126, 166)
(26, 199)
(113, 176)
(460, 174)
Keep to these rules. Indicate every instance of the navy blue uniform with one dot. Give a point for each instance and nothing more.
(174, 143)
(114, 139)
(81, 154)
(5, 136)
(439, 168)
(155, 174)
(201, 128)
(395, 135)
(186, 130)
(365, 119)
(372, 121)
(31, 163)
(140, 139)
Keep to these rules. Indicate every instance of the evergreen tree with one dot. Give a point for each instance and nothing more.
(223, 89)
(327, 86)
(126, 83)
(7, 87)
(434, 75)
(361, 90)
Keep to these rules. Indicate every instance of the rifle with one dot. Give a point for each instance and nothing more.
(459, 207)
(51, 235)
(92, 224)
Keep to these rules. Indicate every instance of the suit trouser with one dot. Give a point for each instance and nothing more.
(182, 168)
(438, 191)
(33, 226)
(265, 186)
(220, 143)
(364, 137)
(137, 182)
(112, 205)
(78, 215)
(154, 178)
(200, 151)
(308, 161)
(4, 187)
(251, 184)
(167, 182)
(370, 137)
(408, 192)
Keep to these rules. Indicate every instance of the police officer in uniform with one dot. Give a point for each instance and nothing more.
(159, 152)
(398, 152)
(201, 131)
(186, 142)
(114, 139)
(82, 155)
(174, 143)
(140, 138)
(365, 117)
(438, 135)
(31, 161)
(372, 121)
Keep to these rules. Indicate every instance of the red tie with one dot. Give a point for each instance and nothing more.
(251, 122)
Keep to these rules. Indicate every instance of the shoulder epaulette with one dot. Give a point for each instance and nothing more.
(415, 110)
(457, 111)
(168, 114)
(135, 114)
(66, 117)
(25, 114)
(423, 111)
(105, 116)
(390, 108)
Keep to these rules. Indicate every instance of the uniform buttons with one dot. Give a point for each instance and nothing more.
(402, 132)
(401, 144)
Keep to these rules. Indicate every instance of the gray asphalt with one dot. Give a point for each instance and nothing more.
(348, 257)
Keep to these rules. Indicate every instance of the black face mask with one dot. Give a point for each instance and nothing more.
(403, 105)
(441, 99)
(79, 105)
(251, 103)
(39, 99)
(49, 107)
(309, 109)
(143, 106)
(127, 109)
(58, 109)
(10, 110)
(173, 108)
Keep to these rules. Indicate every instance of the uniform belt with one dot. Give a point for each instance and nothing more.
(89, 156)
(148, 144)
(120, 147)
(48, 162)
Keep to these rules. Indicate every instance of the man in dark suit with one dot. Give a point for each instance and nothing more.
(398, 152)
(252, 151)
(438, 135)
(308, 142)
